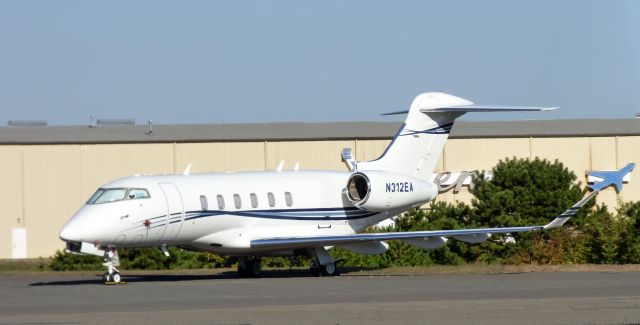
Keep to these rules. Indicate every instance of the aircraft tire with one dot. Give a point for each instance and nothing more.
(116, 277)
(242, 272)
(314, 268)
(254, 268)
(329, 269)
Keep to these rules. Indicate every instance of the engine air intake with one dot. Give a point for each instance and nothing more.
(359, 188)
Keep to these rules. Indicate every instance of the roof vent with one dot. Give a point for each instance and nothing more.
(27, 123)
(115, 122)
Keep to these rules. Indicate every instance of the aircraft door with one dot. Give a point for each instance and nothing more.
(175, 211)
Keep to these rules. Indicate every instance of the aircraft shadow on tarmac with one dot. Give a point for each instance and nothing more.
(140, 278)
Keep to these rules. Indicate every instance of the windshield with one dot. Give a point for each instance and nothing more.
(105, 195)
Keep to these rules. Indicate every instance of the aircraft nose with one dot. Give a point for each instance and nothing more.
(71, 232)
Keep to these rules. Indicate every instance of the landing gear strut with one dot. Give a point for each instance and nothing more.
(111, 261)
(249, 268)
(322, 264)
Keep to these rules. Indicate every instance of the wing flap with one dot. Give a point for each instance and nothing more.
(337, 240)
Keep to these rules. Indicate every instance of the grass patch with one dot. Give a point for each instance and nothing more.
(25, 265)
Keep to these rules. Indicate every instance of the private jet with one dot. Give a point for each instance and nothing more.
(287, 213)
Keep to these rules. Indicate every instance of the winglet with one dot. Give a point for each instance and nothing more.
(556, 223)
(566, 215)
(611, 178)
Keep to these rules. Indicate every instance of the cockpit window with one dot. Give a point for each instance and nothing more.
(95, 196)
(138, 193)
(105, 195)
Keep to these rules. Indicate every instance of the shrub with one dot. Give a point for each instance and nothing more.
(62, 261)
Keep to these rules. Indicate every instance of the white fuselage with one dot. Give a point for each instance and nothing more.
(221, 212)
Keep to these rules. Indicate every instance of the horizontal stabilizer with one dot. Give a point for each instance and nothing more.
(488, 108)
(478, 109)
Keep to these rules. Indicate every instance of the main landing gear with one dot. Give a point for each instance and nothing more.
(111, 261)
(249, 268)
(322, 264)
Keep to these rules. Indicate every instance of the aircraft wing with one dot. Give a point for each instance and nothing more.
(424, 239)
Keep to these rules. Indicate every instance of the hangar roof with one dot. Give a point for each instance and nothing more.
(306, 131)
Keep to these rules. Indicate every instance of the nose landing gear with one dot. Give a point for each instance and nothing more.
(111, 261)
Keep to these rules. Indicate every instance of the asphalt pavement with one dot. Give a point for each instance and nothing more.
(282, 298)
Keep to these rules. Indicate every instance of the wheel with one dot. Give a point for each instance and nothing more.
(315, 270)
(116, 277)
(255, 268)
(328, 269)
(252, 268)
(242, 271)
(106, 277)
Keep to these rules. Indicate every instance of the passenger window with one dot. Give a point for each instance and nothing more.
(288, 198)
(220, 202)
(236, 199)
(254, 200)
(203, 203)
(272, 199)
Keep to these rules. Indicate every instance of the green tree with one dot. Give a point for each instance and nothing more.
(614, 239)
(630, 214)
(528, 192)
(525, 192)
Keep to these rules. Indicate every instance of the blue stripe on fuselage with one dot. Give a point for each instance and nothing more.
(318, 214)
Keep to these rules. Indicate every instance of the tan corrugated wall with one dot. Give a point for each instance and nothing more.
(52, 191)
(11, 196)
(43, 185)
(628, 150)
(219, 157)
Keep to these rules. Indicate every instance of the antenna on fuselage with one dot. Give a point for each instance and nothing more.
(187, 170)
(347, 157)
(279, 168)
(296, 167)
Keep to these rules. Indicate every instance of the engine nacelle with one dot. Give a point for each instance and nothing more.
(379, 191)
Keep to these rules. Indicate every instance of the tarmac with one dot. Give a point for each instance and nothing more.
(295, 298)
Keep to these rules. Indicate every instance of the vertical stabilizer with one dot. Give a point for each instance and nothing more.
(417, 146)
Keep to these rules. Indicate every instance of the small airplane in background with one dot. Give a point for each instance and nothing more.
(287, 213)
(610, 178)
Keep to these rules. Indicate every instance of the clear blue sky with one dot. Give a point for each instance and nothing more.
(261, 61)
